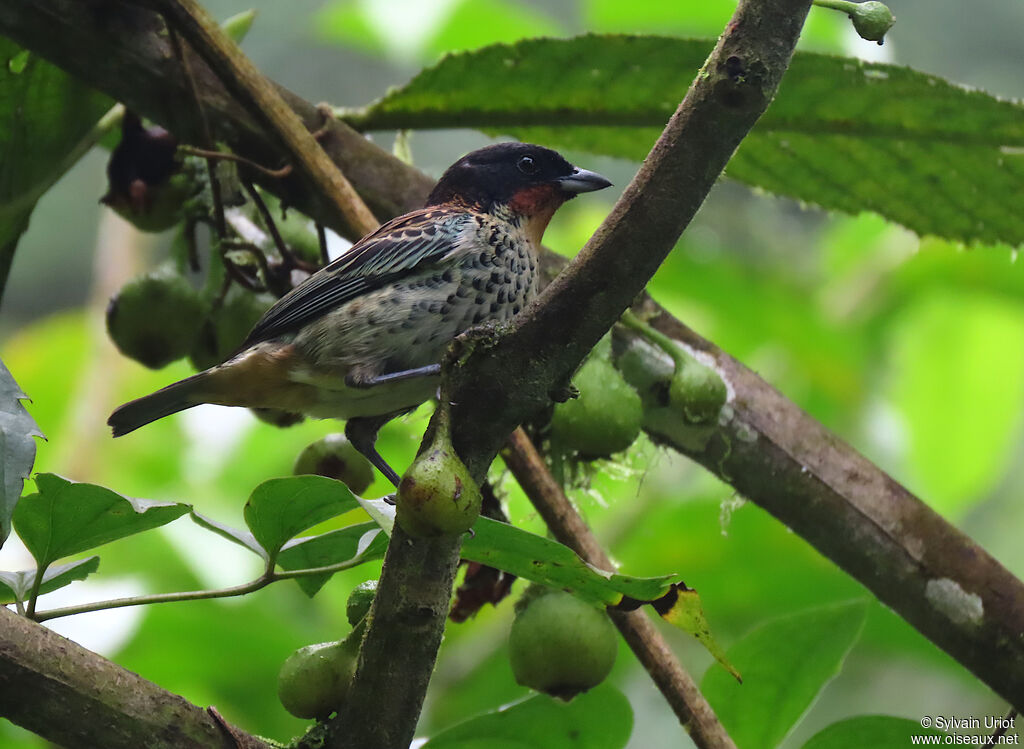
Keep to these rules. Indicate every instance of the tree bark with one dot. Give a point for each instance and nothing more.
(75, 698)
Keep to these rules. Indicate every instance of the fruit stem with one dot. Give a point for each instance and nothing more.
(659, 339)
(844, 6)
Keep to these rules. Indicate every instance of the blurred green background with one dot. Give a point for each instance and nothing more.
(911, 349)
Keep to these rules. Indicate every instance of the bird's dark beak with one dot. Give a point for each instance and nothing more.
(583, 180)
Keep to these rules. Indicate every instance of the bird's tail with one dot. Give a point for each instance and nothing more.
(164, 402)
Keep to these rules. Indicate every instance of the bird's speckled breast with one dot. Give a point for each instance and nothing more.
(490, 275)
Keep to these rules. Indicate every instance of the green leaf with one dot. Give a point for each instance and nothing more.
(548, 562)
(877, 731)
(65, 517)
(785, 664)
(46, 123)
(15, 586)
(842, 133)
(280, 509)
(682, 608)
(541, 560)
(243, 538)
(356, 544)
(599, 719)
(17, 443)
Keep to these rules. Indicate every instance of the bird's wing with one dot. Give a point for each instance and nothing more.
(394, 249)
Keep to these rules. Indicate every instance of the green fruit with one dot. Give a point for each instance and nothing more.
(698, 391)
(359, 601)
(162, 207)
(335, 457)
(437, 496)
(604, 419)
(155, 318)
(314, 680)
(227, 326)
(872, 20)
(561, 645)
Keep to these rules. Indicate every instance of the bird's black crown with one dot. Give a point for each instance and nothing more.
(493, 174)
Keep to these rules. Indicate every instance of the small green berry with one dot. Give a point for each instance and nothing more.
(872, 20)
(155, 318)
(359, 601)
(561, 646)
(604, 419)
(314, 680)
(437, 496)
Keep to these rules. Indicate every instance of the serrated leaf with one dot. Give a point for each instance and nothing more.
(66, 517)
(356, 544)
(599, 719)
(877, 731)
(842, 133)
(15, 586)
(18, 431)
(46, 119)
(236, 535)
(280, 509)
(785, 664)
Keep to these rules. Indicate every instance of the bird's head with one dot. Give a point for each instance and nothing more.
(526, 180)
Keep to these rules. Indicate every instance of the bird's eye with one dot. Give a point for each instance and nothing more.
(527, 165)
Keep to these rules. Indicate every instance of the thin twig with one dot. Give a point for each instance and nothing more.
(651, 649)
(321, 238)
(228, 156)
(211, 168)
(197, 595)
(282, 248)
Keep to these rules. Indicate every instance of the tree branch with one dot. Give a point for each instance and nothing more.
(678, 687)
(73, 697)
(777, 456)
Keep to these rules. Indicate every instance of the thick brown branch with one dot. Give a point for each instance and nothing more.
(650, 648)
(73, 697)
(777, 456)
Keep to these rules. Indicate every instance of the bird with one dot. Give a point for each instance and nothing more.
(363, 337)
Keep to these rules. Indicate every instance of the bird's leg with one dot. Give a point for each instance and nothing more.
(362, 433)
(429, 370)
